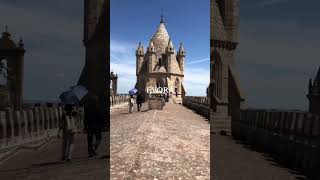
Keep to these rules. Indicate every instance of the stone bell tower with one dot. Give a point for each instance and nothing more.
(161, 66)
(11, 71)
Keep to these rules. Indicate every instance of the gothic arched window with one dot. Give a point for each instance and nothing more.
(3, 72)
(216, 72)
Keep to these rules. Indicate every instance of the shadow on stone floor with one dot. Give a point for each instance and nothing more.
(205, 118)
(274, 160)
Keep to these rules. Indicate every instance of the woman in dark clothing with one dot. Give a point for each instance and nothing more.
(139, 101)
(93, 125)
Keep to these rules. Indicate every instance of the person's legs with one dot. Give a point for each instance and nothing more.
(98, 139)
(64, 145)
(70, 149)
(89, 140)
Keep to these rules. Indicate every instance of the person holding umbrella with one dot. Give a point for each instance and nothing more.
(69, 128)
(131, 99)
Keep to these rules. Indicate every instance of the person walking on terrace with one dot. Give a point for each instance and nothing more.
(140, 100)
(68, 127)
(131, 102)
(93, 125)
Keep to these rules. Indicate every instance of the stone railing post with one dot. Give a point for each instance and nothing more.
(3, 129)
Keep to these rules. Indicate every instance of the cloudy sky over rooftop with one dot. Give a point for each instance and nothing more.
(52, 34)
(278, 51)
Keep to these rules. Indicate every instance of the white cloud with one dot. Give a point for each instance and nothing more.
(207, 59)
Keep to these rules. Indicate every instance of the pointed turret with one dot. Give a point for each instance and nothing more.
(314, 94)
(151, 56)
(310, 86)
(180, 57)
(139, 57)
(181, 51)
(151, 46)
(140, 50)
(170, 48)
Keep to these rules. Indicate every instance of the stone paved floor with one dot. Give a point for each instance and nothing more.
(45, 164)
(169, 144)
(234, 161)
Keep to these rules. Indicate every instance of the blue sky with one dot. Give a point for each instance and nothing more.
(186, 22)
(278, 51)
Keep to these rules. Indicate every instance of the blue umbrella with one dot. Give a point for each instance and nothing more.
(133, 91)
(68, 97)
(74, 95)
(79, 91)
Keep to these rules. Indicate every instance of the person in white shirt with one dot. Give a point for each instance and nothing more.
(69, 128)
(131, 102)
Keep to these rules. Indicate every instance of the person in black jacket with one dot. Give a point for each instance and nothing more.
(93, 125)
(140, 100)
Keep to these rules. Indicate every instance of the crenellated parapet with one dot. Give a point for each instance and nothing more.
(198, 103)
(119, 100)
(293, 136)
(32, 124)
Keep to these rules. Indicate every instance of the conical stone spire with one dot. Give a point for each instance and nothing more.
(160, 39)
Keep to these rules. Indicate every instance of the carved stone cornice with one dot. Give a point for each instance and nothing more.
(223, 44)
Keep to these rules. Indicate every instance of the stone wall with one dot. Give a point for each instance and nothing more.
(291, 136)
(198, 103)
(33, 124)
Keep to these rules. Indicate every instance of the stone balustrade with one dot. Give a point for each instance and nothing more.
(35, 123)
(199, 104)
(291, 136)
(119, 100)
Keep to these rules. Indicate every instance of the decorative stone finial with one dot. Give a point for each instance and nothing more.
(181, 48)
(161, 21)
